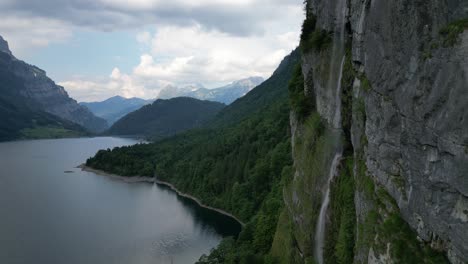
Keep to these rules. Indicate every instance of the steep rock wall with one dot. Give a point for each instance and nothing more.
(409, 129)
(417, 116)
(45, 94)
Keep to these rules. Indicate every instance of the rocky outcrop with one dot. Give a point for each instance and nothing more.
(46, 95)
(409, 124)
(225, 94)
(4, 46)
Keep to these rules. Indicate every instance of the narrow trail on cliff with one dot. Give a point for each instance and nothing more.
(334, 83)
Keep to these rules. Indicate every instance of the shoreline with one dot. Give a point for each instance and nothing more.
(136, 179)
(174, 189)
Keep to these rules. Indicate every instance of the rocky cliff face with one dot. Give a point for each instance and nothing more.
(405, 116)
(4, 46)
(48, 96)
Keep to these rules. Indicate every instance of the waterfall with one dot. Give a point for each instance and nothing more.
(334, 84)
(320, 232)
(337, 116)
(320, 228)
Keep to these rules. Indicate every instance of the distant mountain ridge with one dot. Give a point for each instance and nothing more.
(225, 94)
(165, 118)
(115, 107)
(38, 92)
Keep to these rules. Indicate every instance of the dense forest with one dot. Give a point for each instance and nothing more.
(239, 162)
(165, 118)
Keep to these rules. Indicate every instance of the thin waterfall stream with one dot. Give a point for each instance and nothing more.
(333, 84)
(320, 229)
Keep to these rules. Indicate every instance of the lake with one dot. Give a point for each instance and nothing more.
(52, 212)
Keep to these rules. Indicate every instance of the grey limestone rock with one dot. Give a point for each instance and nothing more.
(417, 110)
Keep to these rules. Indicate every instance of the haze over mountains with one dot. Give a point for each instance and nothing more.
(117, 107)
(31, 100)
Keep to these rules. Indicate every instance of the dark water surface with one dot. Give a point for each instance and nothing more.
(52, 212)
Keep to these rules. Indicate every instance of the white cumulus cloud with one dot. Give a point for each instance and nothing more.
(179, 56)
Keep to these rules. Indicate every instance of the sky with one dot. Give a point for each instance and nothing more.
(97, 49)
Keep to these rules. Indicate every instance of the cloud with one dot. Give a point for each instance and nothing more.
(116, 84)
(209, 56)
(212, 42)
(24, 34)
(236, 17)
(180, 56)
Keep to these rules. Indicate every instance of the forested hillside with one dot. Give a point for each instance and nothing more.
(239, 163)
(165, 118)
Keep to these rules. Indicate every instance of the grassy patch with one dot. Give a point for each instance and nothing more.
(283, 243)
(361, 107)
(365, 83)
(451, 32)
(364, 182)
(313, 38)
(300, 103)
(308, 28)
(405, 248)
(383, 225)
(400, 183)
(48, 132)
(313, 149)
(317, 41)
(347, 81)
(341, 231)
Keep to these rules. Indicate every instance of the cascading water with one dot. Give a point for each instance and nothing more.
(337, 116)
(320, 234)
(337, 53)
(320, 229)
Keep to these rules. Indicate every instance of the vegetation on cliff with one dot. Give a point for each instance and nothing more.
(451, 33)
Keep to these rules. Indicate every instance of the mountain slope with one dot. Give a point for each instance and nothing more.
(226, 94)
(166, 117)
(272, 90)
(115, 107)
(20, 115)
(20, 122)
(34, 88)
(238, 163)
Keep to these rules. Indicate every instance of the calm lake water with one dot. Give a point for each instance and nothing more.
(49, 216)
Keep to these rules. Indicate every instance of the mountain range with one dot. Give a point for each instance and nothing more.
(225, 94)
(115, 107)
(29, 100)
